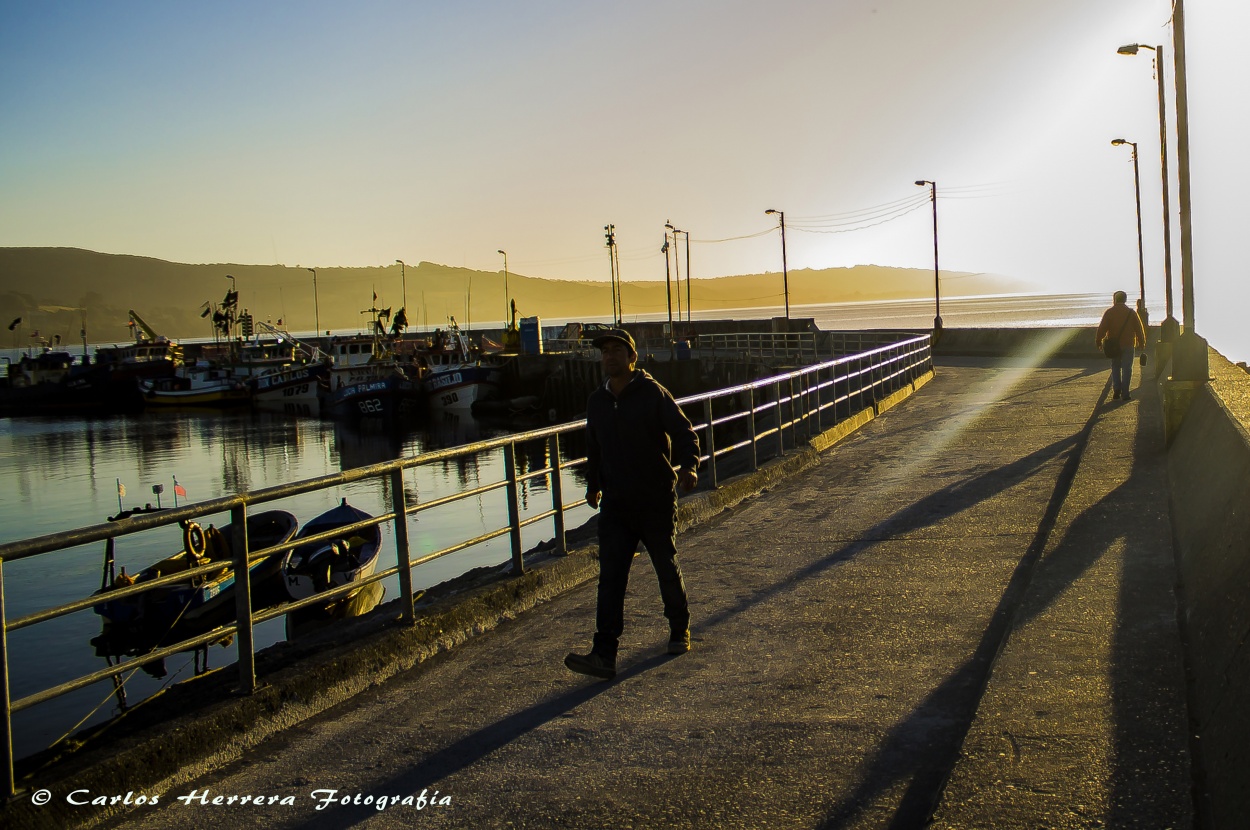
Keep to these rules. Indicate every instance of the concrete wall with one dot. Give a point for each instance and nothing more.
(1209, 470)
(1071, 342)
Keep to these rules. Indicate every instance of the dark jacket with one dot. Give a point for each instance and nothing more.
(634, 441)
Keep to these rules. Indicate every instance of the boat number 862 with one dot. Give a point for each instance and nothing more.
(371, 406)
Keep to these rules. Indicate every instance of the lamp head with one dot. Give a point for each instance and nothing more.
(505, 253)
(1116, 142)
(669, 225)
(922, 182)
(769, 211)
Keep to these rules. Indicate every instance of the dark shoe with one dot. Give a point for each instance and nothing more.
(1115, 396)
(679, 643)
(595, 665)
(1127, 396)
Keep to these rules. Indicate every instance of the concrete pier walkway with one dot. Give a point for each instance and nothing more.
(965, 615)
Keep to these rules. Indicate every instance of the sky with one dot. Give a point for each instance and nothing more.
(327, 133)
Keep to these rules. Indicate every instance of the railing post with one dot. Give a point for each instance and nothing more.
(403, 557)
(755, 461)
(794, 418)
(781, 434)
(820, 404)
(557, 492)
(514, 508)
(711, 441)
(6, 738)
(243, 600)
(805, 385)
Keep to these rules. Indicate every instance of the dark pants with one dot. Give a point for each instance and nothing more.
(620, 531)
(1122, 370)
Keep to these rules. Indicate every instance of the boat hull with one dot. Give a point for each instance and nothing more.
(390, 397)
(321, 566)
(140, 622)
(292, 391)
(457, 388)
(165, 393)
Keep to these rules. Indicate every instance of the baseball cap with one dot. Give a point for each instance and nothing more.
(615, 334)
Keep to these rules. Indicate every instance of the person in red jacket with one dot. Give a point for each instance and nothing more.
(639, 448)
(1118, 334)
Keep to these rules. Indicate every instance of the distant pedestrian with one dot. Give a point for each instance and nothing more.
(1118, 334)
(636, 434)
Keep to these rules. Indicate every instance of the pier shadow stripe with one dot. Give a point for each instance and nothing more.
(430, 771)
(946, 715)
(1148, 768)
(928, 511)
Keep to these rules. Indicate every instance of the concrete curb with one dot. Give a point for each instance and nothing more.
(200, 725)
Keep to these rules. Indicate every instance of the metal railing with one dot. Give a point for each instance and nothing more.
(740, 427)
(795, 345)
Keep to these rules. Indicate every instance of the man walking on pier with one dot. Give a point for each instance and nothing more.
(636, 434)
(1118, 333)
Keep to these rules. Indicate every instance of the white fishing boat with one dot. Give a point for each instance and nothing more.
(456, 376)
(293, 387)
(200, 385)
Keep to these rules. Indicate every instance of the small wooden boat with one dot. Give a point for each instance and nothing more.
(320, 566)
(137, 623)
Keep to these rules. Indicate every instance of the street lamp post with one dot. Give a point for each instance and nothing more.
(1189, 358)
(403, 282)
(785, 271)
(316, 307)
(687, 233)
(677, 268)
(668, 286)
(507, 311)
(1170, 328)
(609, 233)
(1141, 265)
(937, 283)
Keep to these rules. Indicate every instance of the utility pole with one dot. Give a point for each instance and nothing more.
(785, 271)
(1189, 360)
(609, 233)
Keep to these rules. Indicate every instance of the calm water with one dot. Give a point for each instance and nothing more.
(59, 474)
(63, 473)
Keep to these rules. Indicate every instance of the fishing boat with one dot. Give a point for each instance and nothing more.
(293, 390)
(294, 387)
(368, 378)
(179, 609)
(456, 378)
(151, 355)
(54, 383)
(201, 385)
(315, 567)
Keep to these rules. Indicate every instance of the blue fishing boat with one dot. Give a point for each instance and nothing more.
(314, 567)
